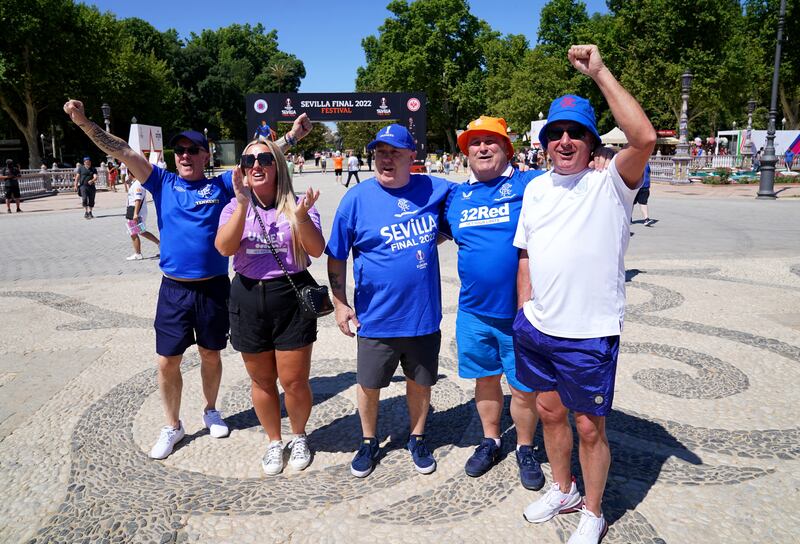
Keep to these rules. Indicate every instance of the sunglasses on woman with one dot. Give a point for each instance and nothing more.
(191, 150)
(575, 132)
(265, 159)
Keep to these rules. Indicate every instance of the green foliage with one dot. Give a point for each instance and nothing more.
(317, 140)
(356, 136)
(434, 46)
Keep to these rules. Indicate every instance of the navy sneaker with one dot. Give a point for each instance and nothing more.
(365, 458)
(423, 458)
(529, 470)
(486, 455)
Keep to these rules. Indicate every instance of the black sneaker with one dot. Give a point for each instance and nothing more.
(365, 458)
(648, 222)
(486, 454)
(85, 215)
(530, 473)
(91, 216)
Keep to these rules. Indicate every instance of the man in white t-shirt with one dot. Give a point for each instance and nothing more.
(352, 168)
(573, 231)
(136, 215)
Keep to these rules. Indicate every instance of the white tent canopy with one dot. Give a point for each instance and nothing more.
(614, 137)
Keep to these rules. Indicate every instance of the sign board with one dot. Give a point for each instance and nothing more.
(536, 127)
(147, 140)
(407, 109)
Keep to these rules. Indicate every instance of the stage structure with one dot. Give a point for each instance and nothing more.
(407, 109)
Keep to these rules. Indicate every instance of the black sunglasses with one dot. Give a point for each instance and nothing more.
(575, 132)
(191, 150)
(265, 159)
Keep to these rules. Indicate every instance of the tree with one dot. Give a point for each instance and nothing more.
(435, 46)
(316, 140)
(36, 33)
(218, 68)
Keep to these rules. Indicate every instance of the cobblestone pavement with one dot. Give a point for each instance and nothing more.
(704, 434)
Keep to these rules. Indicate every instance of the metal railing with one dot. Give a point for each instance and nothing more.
(59, 180)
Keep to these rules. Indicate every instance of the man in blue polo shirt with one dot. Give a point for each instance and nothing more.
(481, 216)
(390, 223)
(192, 301)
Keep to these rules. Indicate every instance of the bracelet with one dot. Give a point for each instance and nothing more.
(289, 140)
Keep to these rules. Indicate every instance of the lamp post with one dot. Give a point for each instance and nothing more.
(541, 116)
(106, 109)
(211, 157)
(783, 123)
(41, 137)
(682, 158)
(748, 142)
(768, 160)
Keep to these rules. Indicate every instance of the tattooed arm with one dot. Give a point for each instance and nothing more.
(118, 148)
(337, 276)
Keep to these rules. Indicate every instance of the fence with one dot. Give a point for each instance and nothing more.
(34, 183)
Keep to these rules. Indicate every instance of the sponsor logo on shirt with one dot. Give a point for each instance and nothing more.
(506, 192)
(405, 208)
(466, 196)
(411, 233)
(484, 215)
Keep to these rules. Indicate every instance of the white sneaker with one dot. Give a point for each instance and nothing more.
(167, 440)
(134, 257)
(552, 503)
(301, 455)
(272, 462)
(591, 529)
(212, 420)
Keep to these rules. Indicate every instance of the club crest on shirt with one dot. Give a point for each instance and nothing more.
(405, 208)
(506, 191)
(205, 192)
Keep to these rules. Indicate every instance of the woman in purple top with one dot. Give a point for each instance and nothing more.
(275, 340)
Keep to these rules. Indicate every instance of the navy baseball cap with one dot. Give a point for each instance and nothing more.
(570, 107)
(193, 136)
(87, 159)
(396, 136)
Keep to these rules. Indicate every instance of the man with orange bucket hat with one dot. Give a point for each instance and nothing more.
(481, 217)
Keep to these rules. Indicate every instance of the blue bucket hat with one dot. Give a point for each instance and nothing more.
(396, 136)
(193, 136)
(570, 108)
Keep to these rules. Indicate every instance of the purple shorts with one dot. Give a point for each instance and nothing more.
(582, 370)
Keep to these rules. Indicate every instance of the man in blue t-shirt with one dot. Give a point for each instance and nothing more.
(192, 301)
(643, 196)
(390, 223)
(481, 216)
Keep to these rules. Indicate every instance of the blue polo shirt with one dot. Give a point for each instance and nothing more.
(392, 234)
(481, 217)
(188, 217)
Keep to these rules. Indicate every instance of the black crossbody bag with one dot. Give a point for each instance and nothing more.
(315, 301)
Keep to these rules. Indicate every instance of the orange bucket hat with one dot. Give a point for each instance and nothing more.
(494, 125)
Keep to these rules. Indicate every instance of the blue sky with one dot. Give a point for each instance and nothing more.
(326, 35)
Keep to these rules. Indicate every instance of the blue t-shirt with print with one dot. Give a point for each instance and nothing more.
(392, 234)
(482, 218)
(646, 177)
(188, 217)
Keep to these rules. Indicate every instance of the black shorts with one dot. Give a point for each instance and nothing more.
(188, 307)
(378, 359)
(642, 196)
(12, 189)
(337, 171)
(265, 314)
(87, 193)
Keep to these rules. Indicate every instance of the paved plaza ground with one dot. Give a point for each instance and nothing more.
(705, 436)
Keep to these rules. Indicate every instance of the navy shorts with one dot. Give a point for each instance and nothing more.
(190, 312)
(582, 370)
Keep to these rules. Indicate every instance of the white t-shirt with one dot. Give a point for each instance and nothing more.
(137, 192)
(352, 164)
(576, 229)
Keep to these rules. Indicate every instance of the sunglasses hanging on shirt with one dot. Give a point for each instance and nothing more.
(264, 159)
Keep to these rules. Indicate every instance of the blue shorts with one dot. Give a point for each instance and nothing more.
(582, 370)
(186, 308)
(486, 348)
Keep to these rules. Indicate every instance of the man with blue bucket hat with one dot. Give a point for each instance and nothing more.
(391, 224)
(573, 231)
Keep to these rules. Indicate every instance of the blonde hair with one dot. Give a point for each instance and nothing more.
(285, 199)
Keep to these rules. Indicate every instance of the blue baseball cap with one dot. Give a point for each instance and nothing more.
(396, 136)
(570, 107)
(87, 159)
(193, 136)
